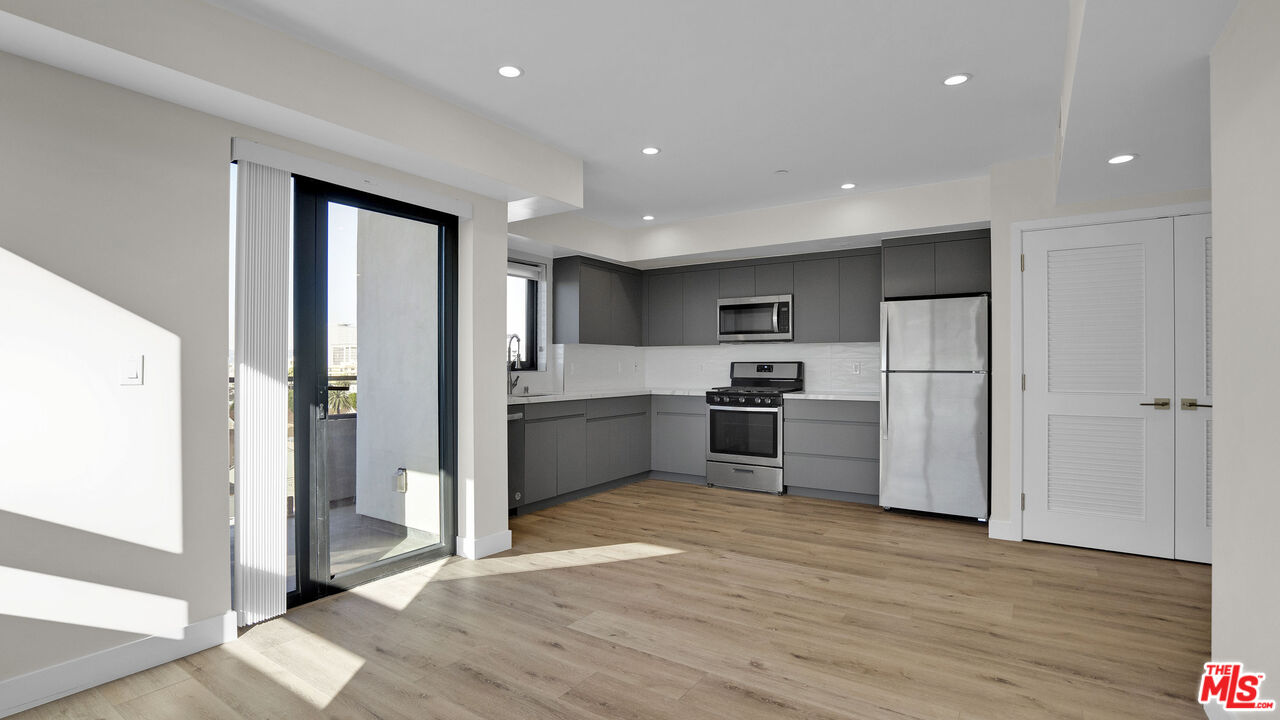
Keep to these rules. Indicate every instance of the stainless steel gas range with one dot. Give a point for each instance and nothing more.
(744, 425)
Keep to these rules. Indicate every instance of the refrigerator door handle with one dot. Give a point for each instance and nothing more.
(884, 406)
(884, 371)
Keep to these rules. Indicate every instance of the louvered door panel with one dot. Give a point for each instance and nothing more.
(1098, 466)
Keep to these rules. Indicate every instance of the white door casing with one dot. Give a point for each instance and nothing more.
(1193, 277)
(1098, 342)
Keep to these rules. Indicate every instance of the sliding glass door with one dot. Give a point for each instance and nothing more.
(375, 391)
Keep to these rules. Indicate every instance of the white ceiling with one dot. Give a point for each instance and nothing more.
(832, 90)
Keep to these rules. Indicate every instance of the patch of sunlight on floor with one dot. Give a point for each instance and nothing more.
(324, 665)
(552, 560)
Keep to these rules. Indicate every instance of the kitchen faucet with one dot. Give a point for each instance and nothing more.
(511, 363)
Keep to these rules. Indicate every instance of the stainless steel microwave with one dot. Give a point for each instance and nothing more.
(766, 318)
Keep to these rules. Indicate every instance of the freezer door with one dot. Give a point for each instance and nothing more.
(933, 444)
(947, 334)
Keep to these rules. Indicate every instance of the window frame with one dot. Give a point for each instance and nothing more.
(536, 273)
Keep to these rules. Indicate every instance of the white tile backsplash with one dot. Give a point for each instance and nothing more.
(828, 367)
(602, 367)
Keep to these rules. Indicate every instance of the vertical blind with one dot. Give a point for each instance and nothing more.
(261, 396)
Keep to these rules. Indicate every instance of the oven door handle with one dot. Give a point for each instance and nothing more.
(735, 408)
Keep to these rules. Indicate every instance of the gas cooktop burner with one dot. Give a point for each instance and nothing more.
(740, 390)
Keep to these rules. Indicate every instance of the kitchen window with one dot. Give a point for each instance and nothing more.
(524, 281)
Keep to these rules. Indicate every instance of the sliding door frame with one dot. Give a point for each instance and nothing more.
(311, 271)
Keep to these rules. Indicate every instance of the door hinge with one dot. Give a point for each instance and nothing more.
(1024, 502)
(1024, 382)
(1024, 262)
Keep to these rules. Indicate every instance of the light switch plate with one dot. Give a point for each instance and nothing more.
(131, 369)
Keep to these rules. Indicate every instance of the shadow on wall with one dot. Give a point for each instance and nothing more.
(91, 471)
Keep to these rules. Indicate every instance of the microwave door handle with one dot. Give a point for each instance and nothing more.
(775, 316)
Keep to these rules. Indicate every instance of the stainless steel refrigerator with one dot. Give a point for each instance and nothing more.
(934, 405)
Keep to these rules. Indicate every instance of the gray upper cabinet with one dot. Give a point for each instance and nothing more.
(738, 282)
(962, 266)
(595, 303)
(949, 264)
(815, 297)
(664, 305)
(774, 279)
(908, 270)
(701, 288)
(860, 298)
(595, 289)
(624, 309)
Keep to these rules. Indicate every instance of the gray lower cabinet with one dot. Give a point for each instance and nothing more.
(680, 434)
(515, 456)
(555, 439)
(832, 445)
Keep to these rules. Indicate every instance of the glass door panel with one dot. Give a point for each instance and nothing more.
(382, 460)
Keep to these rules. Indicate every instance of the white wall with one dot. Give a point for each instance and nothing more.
(1245, 88)
(127, 198)
(398, 390)
(1020, 191)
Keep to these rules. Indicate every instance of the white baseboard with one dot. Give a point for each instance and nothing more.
(42, 686)
(476, 548)
(1004, 530)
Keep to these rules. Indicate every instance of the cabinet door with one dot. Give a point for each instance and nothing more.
(700, 310)
(624, 309)
(539, 460)
(571, 454)
(962, 266)
(774, 279)
(595, 288)
(666, 309)
(680, 443)
(908, 270)
(860, 298)
(600, 452)
(636, 433)
(737, 282)
(816, 294)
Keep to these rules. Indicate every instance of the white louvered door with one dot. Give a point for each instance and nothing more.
(1099, 341)
(1193, 265)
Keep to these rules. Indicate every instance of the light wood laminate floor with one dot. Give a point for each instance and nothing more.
(663, 600)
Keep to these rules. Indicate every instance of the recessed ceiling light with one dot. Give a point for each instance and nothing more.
(510, 71)
(651, 150)
(1121, 159)
(848, 186)
(957, 79)
(781, 172)
(647, 217)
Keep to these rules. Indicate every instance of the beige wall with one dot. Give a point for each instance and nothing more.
(1245, 90)
(127, 198)
(1021, 191)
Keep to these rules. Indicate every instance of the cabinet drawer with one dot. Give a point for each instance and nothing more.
(542, 411)
(617, 406)
(841, 410)
(681, 404)
(832, 473)
(837, 439)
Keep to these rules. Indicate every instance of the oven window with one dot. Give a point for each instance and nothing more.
(754, 319)
(734, 432)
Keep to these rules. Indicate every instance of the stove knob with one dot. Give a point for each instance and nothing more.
(759, 400)
(742, 400)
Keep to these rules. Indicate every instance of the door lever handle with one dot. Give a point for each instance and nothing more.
(1191, 404)
(1159, 403)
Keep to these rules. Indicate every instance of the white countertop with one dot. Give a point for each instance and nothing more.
(695, 392)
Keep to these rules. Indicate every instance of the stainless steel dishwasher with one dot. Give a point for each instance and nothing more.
(515, 456)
